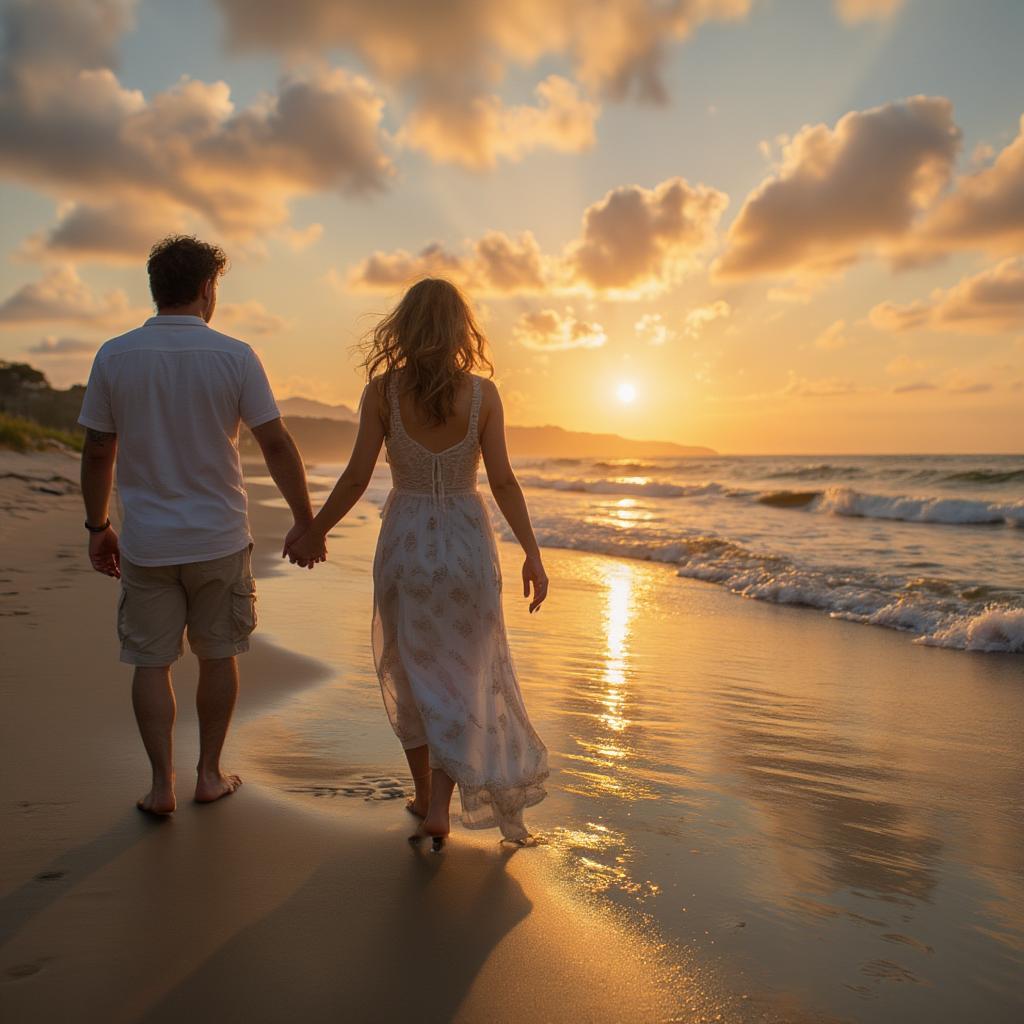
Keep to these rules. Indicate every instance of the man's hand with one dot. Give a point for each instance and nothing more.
(105, 552)
(304, 546)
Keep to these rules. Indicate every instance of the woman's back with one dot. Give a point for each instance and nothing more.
(433, 436)
(436, 459)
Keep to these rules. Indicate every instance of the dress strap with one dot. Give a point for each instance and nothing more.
(474, 410)
(394, 411)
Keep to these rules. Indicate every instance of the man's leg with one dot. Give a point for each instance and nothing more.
(215, 701)
(153, 700)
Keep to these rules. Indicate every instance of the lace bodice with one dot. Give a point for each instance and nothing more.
(417, 470)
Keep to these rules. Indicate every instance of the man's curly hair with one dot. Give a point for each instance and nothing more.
(178, 265)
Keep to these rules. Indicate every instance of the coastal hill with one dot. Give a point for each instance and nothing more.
(324, 433)
(311, 408)
(330, 440)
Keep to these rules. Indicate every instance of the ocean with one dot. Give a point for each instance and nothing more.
(932, 545)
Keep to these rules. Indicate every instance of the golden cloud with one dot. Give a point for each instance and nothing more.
(61, 296)
(477, 133)
(493, 265)
(633, 242)
(249, 318)
(985, 209)
(842, 191)
(548, 330)
(67, 125)
(990, 302)
(461, 47)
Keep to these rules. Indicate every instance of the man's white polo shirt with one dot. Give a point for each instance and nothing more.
(175, 391)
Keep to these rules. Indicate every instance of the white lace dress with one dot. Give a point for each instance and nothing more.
(439, 633)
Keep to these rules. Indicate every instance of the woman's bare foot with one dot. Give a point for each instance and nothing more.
(437, 822)
(418, 806)
(160, 800)
(213, 787)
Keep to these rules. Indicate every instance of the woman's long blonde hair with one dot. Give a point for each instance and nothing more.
(432, 337)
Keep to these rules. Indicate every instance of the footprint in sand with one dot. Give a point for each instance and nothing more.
(368, 787)
(24, 970)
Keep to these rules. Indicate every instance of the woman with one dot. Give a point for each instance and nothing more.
(438, 630)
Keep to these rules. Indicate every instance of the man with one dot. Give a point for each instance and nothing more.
(164, 402)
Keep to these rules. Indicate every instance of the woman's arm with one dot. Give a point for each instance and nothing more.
(508, 494)
(352, 482)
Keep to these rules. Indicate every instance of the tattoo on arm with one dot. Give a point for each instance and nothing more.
(99, 438)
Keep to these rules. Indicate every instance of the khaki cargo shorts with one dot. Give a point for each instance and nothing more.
(215, 602)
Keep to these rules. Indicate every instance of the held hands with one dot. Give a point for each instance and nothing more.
(533, 573)
(105, 552)
(304, 545)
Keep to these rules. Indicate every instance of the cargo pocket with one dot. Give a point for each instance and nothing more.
(243, 607)
(122, 628)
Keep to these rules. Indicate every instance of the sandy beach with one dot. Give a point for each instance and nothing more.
(756, 812)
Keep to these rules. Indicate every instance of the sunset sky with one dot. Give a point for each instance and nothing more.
(789, 225)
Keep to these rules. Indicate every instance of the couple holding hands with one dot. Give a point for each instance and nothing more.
(164, 405)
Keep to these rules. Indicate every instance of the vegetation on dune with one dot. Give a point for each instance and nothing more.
(25, 435)
(33, 414)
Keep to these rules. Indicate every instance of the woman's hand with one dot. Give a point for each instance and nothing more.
(534, 574)
(308, 549)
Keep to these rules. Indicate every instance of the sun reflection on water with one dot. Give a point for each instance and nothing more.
(605, 762)
(622, 515)
(617, 616)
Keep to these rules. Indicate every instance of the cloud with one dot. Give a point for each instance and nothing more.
(651, 329)
(854, 11)
(824, 387)
(60, 295)
(842, 191)
(833, 337)
(643, 239)
(962, 386)
(918, 386)
(249, 317)
(300, 239)
(697, 319)
(494, 264)
(111, 232)
(990, 302)
(459, 49)
(633, 242)
(984, 210)
(51, 346)
(68, 126)
(549, 331)
(479, 133)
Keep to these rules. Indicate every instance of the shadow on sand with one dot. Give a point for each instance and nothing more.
(437, 920)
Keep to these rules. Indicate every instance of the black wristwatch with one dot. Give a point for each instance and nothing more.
(98, 529)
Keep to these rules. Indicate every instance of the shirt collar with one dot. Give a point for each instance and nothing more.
(160, 321)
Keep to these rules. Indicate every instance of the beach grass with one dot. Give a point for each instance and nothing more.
(24, 435)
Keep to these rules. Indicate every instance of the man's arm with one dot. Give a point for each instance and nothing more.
(286, 468)
(99, 454)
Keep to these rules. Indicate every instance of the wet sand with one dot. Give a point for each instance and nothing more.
(754, 812)
(254, 908)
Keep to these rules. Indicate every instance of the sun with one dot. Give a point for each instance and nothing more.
(626, 392)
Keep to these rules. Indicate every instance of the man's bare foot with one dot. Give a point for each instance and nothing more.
(159, 800)
(213, 787)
